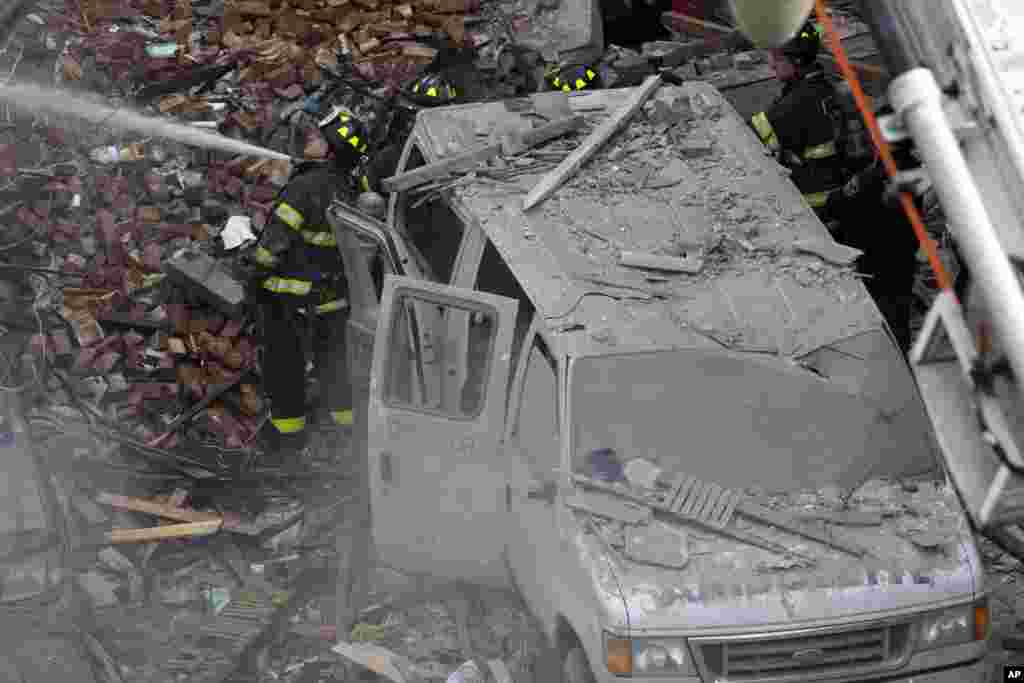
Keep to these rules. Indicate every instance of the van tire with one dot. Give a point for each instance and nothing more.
(575, 668)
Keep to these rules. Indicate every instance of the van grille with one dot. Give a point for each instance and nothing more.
(797, 656)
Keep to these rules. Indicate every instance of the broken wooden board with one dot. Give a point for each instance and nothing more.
(590, 146)
(787, 523)
(735, 534)
(635, 259)
(829, 251)
(467, 160)
(843, 517)
(153, 508)
(160, 533)
(609, 507)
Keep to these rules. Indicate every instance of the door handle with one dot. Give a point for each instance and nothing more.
(386, 469)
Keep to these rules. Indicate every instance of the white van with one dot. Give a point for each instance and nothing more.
(719, 474)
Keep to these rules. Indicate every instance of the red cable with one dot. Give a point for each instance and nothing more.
(906, 199)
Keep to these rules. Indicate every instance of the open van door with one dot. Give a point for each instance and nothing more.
(437, 489)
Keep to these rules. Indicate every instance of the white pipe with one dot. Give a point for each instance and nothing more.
(915, 95)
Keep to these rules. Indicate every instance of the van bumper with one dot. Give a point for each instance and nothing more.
(976, 672)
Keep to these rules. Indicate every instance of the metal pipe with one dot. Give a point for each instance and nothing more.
(916, 96)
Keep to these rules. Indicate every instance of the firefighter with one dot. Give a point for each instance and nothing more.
(303, 287)
(801, 126)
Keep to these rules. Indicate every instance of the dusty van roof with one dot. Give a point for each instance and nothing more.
(754, 291)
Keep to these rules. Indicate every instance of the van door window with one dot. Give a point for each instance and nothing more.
(536, 428)
(431, 224)
(495, 277)
(439, 358)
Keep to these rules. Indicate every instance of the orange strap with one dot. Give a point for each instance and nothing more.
(906, 199)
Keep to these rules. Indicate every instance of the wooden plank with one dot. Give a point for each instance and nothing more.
(602, 134)
(673, 264)
(735, 534)
(786, 523)
(189, 530)
(152, 508)
(424, 174)
(468, 160)
(603, 505)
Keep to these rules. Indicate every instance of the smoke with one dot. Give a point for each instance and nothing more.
(32, 98)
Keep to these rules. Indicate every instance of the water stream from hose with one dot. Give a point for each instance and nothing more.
(32, 99)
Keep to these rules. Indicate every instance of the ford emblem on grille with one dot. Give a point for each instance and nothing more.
(811, 654)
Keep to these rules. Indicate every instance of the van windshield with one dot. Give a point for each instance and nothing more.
(738, 421)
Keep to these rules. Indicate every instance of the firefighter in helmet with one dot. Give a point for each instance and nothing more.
(304, 288)
(801, 126)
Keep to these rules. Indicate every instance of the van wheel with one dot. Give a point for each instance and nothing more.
(575, 668)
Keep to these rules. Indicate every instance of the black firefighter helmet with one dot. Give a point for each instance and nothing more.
(432, 89)
(346, 135)
(804, 47)
(568, 79)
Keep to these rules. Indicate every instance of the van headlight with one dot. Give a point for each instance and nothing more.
(649, 656)
(954, 626)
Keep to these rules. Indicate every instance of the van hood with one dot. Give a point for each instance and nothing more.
(918, 561)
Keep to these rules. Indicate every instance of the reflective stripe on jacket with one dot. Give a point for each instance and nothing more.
(285, 285)
(290, 216)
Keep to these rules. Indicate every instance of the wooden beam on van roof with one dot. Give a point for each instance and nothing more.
(517, 143)
(602, 134)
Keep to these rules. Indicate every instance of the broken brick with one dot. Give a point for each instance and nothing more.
(292, 92)
(74, 263)
(86, 357)
(231, 329)
(233, 186)
(106, 226)
(30, 218)
(151, 257)
(56, 136)
(133, 339)
(106, 362)
(63, 232)
(61, 343)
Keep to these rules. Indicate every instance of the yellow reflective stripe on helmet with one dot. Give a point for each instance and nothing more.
(342, 417)
(566, 88)
(354, 141)
(283, 285)
(431, 91)
(264, 257)
(319, 239)
(822, 151)
(288, 425)
(343, 131)
(591, 75)
(332, 306)
(289, 215)
(763, 127)
(817, 199)
(580, 84)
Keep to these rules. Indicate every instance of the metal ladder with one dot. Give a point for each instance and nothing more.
(973, 147)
